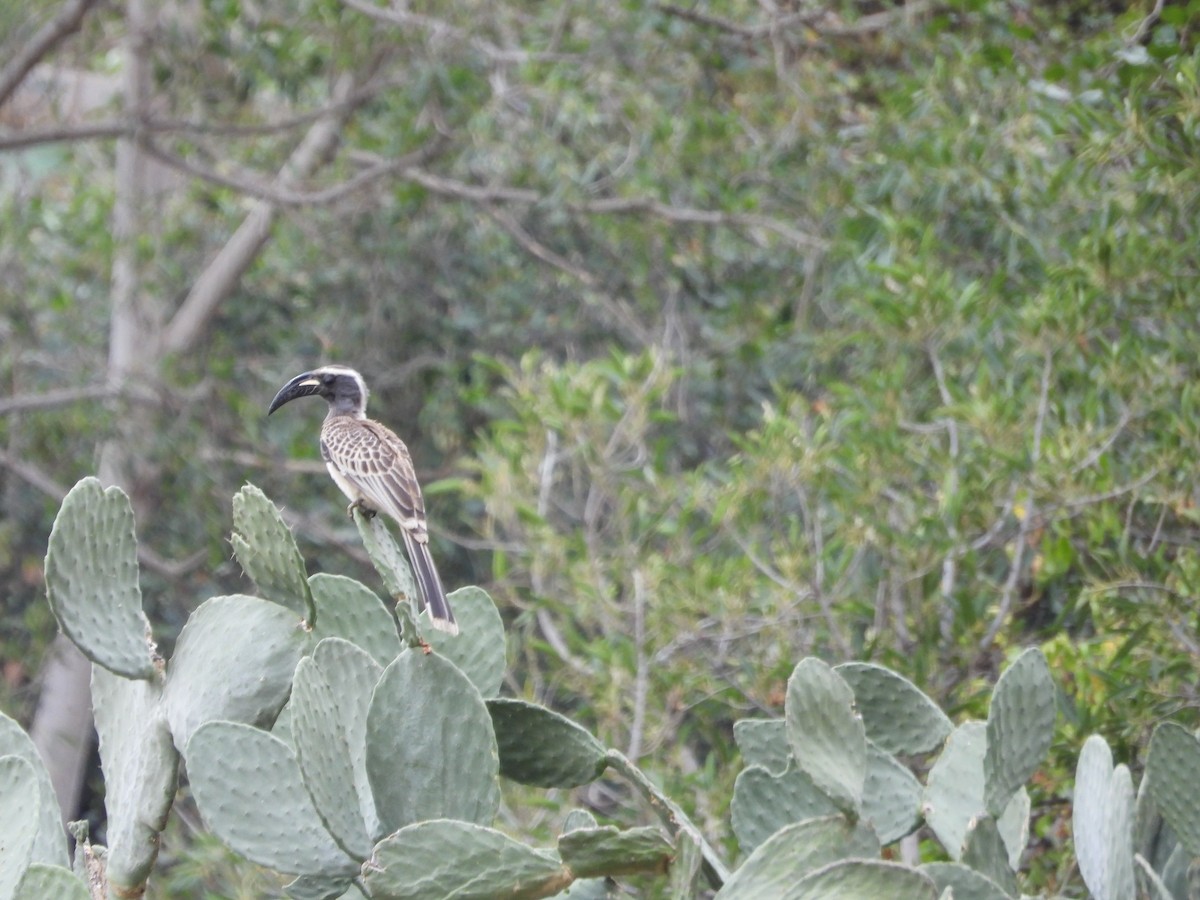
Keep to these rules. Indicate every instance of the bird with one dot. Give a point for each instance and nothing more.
(372, 466)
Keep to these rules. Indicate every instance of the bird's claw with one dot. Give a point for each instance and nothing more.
(362, 507)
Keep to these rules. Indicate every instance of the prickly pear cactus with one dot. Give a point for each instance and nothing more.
(92, 580)
(267, 551)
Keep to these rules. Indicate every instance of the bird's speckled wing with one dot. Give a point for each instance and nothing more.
(376, 461)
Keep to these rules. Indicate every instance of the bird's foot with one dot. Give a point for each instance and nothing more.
(361, 506)
(424, 645)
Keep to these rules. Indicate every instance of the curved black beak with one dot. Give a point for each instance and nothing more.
(304, 385)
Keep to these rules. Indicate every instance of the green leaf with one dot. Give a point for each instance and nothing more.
(92, 580)
(826, 734)
(431, 750)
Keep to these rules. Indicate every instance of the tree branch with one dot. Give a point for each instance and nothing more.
(223, 273)
(49, 36)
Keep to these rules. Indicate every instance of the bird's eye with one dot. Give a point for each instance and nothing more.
(327, 378)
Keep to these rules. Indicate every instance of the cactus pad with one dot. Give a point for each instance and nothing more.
(45, 882)
(863, 880)
(1020, 727)
(387, 558)
(795, 851)
(985, 852)
(763, 742)
(445, 858)
(50, 843)
(268, 553)
(1174, 760)
(891, 796)
(1089, 819)
(92, 580)
(826, 733)
(763, 803)
(954, 787)
(249, 790)
(321, 887)
(233, 661)
(965, 882)
(140, 766)
(607, 851)
(329, 720)
(431, 751)
(479, 647)
(897, 715)
(18, 807)
(349, 609)
(538, 746)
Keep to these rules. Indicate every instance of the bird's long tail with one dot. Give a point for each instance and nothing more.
(430, 584)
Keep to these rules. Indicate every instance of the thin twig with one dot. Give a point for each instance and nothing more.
(1008, 593)
(641, 679)
(49, 36)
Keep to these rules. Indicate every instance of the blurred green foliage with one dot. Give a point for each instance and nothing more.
(869, 335)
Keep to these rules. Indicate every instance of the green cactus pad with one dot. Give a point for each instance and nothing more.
(267, 550)
(953, 794)
(444, 858)
(248, 787)
(349, 609)
(140, 766)
(431, 751)
(233, 661)
(1020, 727)
(539, 747)
(891, 796)
(862, 880)
(897, 715)
(763, 742)
(46, 882)
(795, 851)
(50, 842)
(18, 807)
(763, 803)
(1174, 760)
(321, 887)
(985, 852)
(608, 851)
(331, 694)
(965, 882)
(1089, 818)
(687, 870)
(387, 558)
(826, 734)
(1014, 827)
(92, 580)
(578, 818)
(479, 647)
(1121, 884)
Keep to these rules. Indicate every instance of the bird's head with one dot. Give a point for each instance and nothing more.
(343, 388)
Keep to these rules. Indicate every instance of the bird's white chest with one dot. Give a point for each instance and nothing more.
(348, 487)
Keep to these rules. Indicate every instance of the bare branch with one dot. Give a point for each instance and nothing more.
(35, 477)
(1009, 591)
(57, 397)
(222, 274)
(49, 36)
